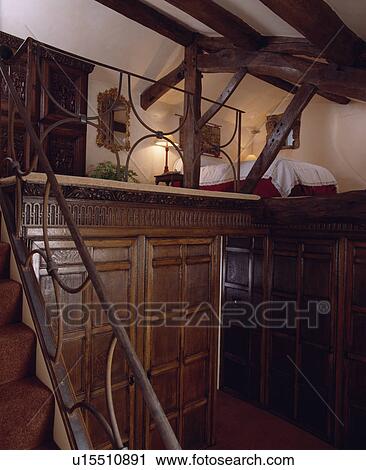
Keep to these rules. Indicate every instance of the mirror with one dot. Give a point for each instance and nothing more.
(114, 121)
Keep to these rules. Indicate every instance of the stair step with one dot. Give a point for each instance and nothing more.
(17, 352)
(4, 260)
(26, 414)
(10, 302)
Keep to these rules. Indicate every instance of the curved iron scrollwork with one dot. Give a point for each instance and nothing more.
(52, 186)
(39, 158)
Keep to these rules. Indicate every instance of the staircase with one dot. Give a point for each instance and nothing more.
(26, 405)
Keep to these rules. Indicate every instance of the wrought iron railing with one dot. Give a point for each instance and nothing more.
(119, 332)
(18, 107)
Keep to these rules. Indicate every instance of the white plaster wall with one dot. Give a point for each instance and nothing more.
(332, 135)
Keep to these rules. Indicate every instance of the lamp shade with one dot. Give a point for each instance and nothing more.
(250, 158)
(165, 143)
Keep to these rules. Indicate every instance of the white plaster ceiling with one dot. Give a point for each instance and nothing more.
(257, 15)
(93, 30)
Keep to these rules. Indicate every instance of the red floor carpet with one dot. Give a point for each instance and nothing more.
(243, 426)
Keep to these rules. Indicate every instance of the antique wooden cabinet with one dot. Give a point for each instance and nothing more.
(65, 146)
(171, 289)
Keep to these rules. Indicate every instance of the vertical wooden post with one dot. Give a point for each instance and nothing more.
(274, 144)
(191, 141)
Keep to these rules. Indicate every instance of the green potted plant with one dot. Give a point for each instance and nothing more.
(108, 171)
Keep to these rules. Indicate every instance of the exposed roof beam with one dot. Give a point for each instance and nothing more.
(279, 44)
(158, 89)
(320, 24)
(288, 45)
(290, 88)
(151, 18)
(345, 81)
(220, 20)
(275, 142)
(223, 98)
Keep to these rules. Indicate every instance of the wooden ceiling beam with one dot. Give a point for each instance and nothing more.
(158, 89)
(321, 25)
(279, 44)
(274, 144)
(293, 46)
(223, 98)
(345, 81)
(152, 19)
(222, 21)
(290, 88)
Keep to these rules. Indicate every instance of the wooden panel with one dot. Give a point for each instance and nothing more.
(88, 336)
(179, 357)
(122, 403)
(195, 428)
(355, 402)
(237, 268)
(284, 274)
(242, 337)
(75, 357)
(166, 386)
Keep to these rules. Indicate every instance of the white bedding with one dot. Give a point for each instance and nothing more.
(285, 174)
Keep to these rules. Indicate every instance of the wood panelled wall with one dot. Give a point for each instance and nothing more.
(314, 377)
(168, 282)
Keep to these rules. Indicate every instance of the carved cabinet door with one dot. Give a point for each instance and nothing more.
(180, 336)
(65, 146)
(88, 334)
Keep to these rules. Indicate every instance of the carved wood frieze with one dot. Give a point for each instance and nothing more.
(144, 197)
(99, 214)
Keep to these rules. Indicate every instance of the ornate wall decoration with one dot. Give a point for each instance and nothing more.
(114, 121)
(293, 139)
(63, 90)
(211, 139)
(19, 142)
(61, 150)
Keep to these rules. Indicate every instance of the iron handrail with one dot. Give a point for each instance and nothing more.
(157, 413)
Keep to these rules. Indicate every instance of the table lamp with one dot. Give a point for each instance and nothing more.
(167, 145)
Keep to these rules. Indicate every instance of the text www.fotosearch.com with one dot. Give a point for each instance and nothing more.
(214, 461)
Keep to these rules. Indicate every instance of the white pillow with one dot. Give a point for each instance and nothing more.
(178, 165)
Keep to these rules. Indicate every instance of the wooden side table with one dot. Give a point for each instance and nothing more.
(169, 178)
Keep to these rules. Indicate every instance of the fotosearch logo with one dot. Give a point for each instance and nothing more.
(270, 314)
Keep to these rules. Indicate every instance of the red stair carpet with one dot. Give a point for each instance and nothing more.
(246, 427)
(26, 405)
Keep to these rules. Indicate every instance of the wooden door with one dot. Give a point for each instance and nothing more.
(241, 339)
(355, 348)
(301, 355)
(88, 334)
(181, 347)
(316, 378)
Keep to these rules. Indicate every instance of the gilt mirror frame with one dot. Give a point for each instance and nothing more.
(114, 120)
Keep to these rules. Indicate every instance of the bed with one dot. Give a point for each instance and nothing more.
(284, 178)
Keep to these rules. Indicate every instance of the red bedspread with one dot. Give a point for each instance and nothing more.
(266, 189)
